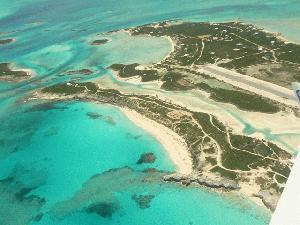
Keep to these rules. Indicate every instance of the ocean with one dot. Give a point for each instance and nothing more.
(76, 162)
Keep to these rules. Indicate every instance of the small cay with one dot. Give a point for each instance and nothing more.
(6, 41)
(8, 74)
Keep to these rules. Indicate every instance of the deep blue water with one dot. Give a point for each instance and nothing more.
(49, 153)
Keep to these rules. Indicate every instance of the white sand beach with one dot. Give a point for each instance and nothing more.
(172, 142)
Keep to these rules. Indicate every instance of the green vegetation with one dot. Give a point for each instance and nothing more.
(238, 160)
(63, 89)
(231, 158)
(246, 61)
(290, 53)
(211, 160)
(242, 45)
(233, 45)
(213, 147)
(219, 41)
(81, 72)
(251, 145)
(130, 70)
(224, 173)
(281, 169)
(246, 153)
(174, 81)
(280, 179)
(218, 124)
(241, 99)
(71, 88)
(210, 150)
(125, 71)
(206, 137)
(6, 71)
(11, 75)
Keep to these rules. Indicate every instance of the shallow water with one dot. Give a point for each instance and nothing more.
(73, 141)
(50, 152)
(63, 145)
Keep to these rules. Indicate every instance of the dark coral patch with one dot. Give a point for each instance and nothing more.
(150, 170)
(135, 137)
(146, 158)
(110, 120)
(94, 115)
(38, 217)
(104, 209)
(143, 201)
(21, 194)
(45, 106)
(99, 42)
(16, 197)
(51, 131)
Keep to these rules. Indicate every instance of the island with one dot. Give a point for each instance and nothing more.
(79, 72)
(6, 41)
(232, 63)
(13, 75)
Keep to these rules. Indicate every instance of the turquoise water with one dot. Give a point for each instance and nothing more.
(60, 147)
(56, 160)
(70, 146)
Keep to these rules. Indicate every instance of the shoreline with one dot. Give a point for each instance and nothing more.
(194, 102)
(134, 80)
(178, 152)
(176, 147)
(269, 28)
(173, 44)
(173, 144)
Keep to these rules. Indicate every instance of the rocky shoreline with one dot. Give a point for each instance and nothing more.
(199, 179)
